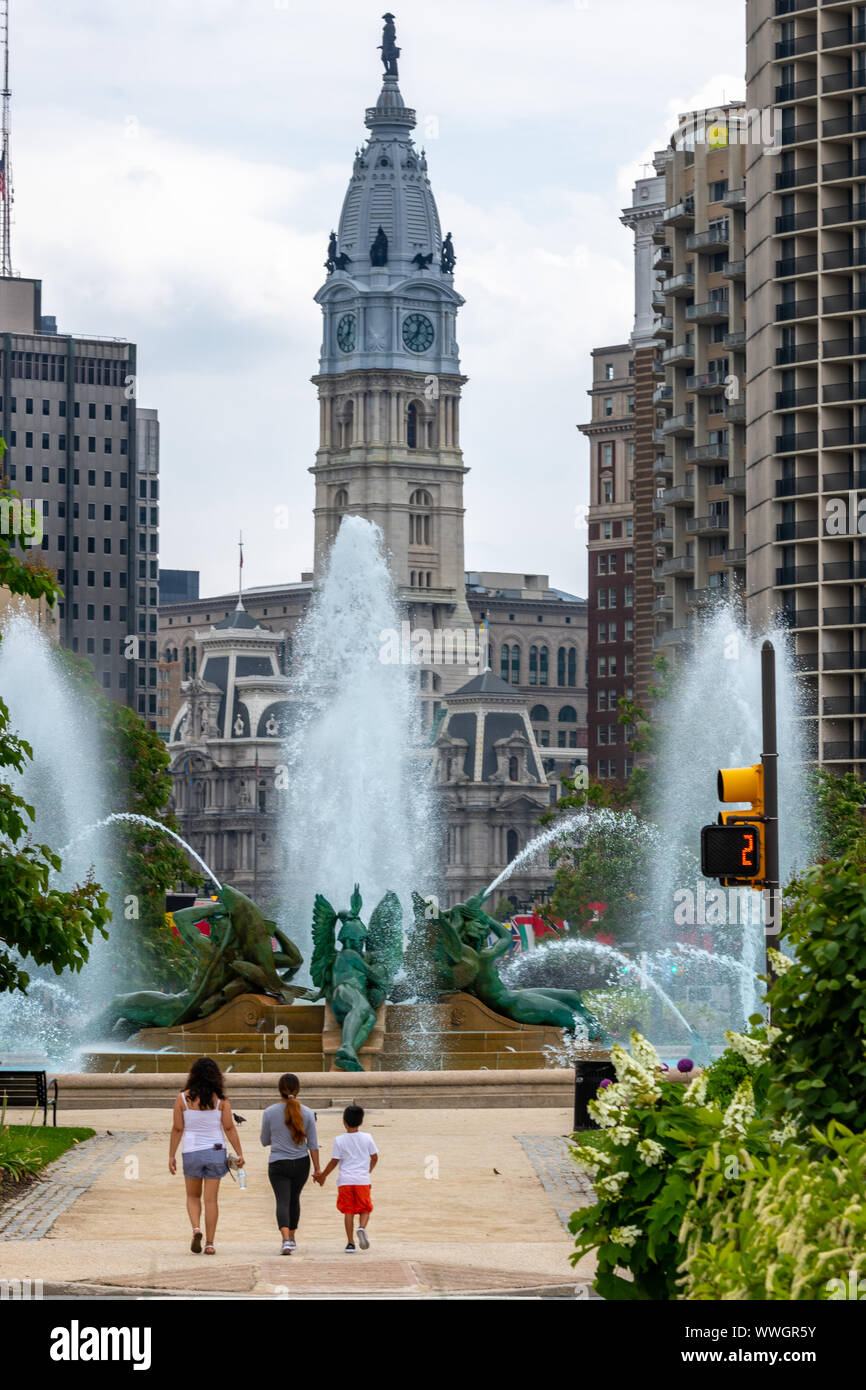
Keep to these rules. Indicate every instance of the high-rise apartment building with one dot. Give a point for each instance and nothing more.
(85, 460)
(610, 643)
(699, 462)
(806, 395)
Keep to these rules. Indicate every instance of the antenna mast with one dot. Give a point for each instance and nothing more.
(5, 167)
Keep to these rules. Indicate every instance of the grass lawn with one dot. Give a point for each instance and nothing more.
(50, 1143)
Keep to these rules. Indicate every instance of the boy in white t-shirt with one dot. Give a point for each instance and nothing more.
(357, 1156)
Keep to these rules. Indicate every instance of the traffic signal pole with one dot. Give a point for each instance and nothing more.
(770, 764)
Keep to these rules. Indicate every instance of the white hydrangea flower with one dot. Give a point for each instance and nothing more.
(740, 1111)
(625, 1235)
(643, 1052)
(696, 1091)
(588, 1157)
(779, 962)
(622, 1135)
(651, 1152)
(752, 1050)
(633, 1079)
(611, 1184)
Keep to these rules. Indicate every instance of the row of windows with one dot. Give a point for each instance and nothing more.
(90, 614)
(609, 527)
(420, 579)
(45, 442)
(606, 598)
(540, 714)
(607, 665)
(606, 561)
(30, 408)
(12, 472)
(607, 768)
(607, 632)
(76, 509)
(609, 699)
(45, 544)
(510, 657)
(563, 739)
(608, 733)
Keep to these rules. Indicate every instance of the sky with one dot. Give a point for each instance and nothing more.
(178, 165)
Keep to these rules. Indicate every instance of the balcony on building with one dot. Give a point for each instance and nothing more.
(841, 127)
(680, 214)
(708, 525)
(714, 238)
(844, 704)
(672, 637)
(803, 221)
(659, 303)
(679, 425)
(735, 486)
(797, 487)
(839, 392)
(788, 576)
(735, 556)
(802, 442)
(791, 266)
(736, 341)
(663, 535)
(735, 411)
(663, 604)
(841, 38)
(678, 564)
(715, 452)
(789, 310)
(844, 347)
(852, 302)
(661, 395)
(706, 381)
(735, 197)
(734, 270)
(840, 170)
(658, 435)
(796, 91)
(849, 660)
(845, 437)
(662, 463)
(663, 326)
(836, 571)
(796, 47)
(682, 284)
(797, 530)
(679, 352)
(802, 134)
(794, 400)
(663, 258)
(843, 213)
(659, 505)
(839, 752)
(849, 481)
(798, 352)
(845, 615)
(713, 310)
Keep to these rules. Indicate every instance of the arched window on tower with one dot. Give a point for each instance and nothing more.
(505, 661)
(560, 666)
(412, 426)
(513, 770)
(567, 715)
(515, 664)
(539, 714)
(533, 666)
(572, 666)
(512, 845)
(420, 523)
(542, 665)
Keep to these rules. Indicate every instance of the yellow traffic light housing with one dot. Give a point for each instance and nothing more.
(734, 850)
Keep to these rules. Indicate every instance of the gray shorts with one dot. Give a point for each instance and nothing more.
(205, 1163)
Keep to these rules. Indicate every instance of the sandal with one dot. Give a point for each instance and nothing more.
(209, 1250)
(195, 1245)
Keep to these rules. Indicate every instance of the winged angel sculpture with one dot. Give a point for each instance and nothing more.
(356, 979)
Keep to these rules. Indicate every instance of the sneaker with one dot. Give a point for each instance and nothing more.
(363, 1238)
(350, 1249)
(291, 1243)
(287, 1247)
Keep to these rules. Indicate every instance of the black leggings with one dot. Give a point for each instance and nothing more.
(288, 1176)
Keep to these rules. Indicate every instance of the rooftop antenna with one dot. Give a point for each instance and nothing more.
(5, 166)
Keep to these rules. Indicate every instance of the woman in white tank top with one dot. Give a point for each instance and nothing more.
(203, 1120)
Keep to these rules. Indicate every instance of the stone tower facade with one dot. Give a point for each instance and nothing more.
(389, 378)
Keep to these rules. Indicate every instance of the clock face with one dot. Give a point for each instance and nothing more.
(417, 332)
(346, 333)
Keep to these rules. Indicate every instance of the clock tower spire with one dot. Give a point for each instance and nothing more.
(389, 379)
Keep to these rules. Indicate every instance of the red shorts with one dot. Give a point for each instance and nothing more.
(352, 1201)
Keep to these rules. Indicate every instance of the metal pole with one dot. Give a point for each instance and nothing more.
(770, 764)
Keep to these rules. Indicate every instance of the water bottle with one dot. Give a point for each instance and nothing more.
(242, 1179)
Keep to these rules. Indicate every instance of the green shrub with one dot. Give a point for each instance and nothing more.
(818, 1002)
(658, 1135)
(743, 1060)
(789, 1226)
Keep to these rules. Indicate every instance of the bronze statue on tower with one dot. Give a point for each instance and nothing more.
(388, 47)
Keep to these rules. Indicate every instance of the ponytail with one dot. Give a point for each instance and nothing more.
(289, 1087)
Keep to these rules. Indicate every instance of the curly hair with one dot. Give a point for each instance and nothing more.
(205, 1083)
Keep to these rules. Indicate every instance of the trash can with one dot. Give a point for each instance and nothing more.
(588, 1076)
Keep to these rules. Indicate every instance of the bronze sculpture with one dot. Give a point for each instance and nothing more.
(237, 958)
(356, 980)
(388, 47)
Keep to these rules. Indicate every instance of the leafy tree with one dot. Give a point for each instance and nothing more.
(839, 813)
(606, 862)
(52, 927)
(504, 910)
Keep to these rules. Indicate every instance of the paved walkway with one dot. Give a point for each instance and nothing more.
(467, 1201)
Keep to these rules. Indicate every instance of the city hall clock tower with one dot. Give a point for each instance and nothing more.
(389, 377)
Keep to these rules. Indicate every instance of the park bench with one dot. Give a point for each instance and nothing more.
(25, 1088)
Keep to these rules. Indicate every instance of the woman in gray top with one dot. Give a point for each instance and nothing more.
(290, 1130)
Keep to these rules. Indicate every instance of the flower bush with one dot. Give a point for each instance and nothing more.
(658, 1137)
